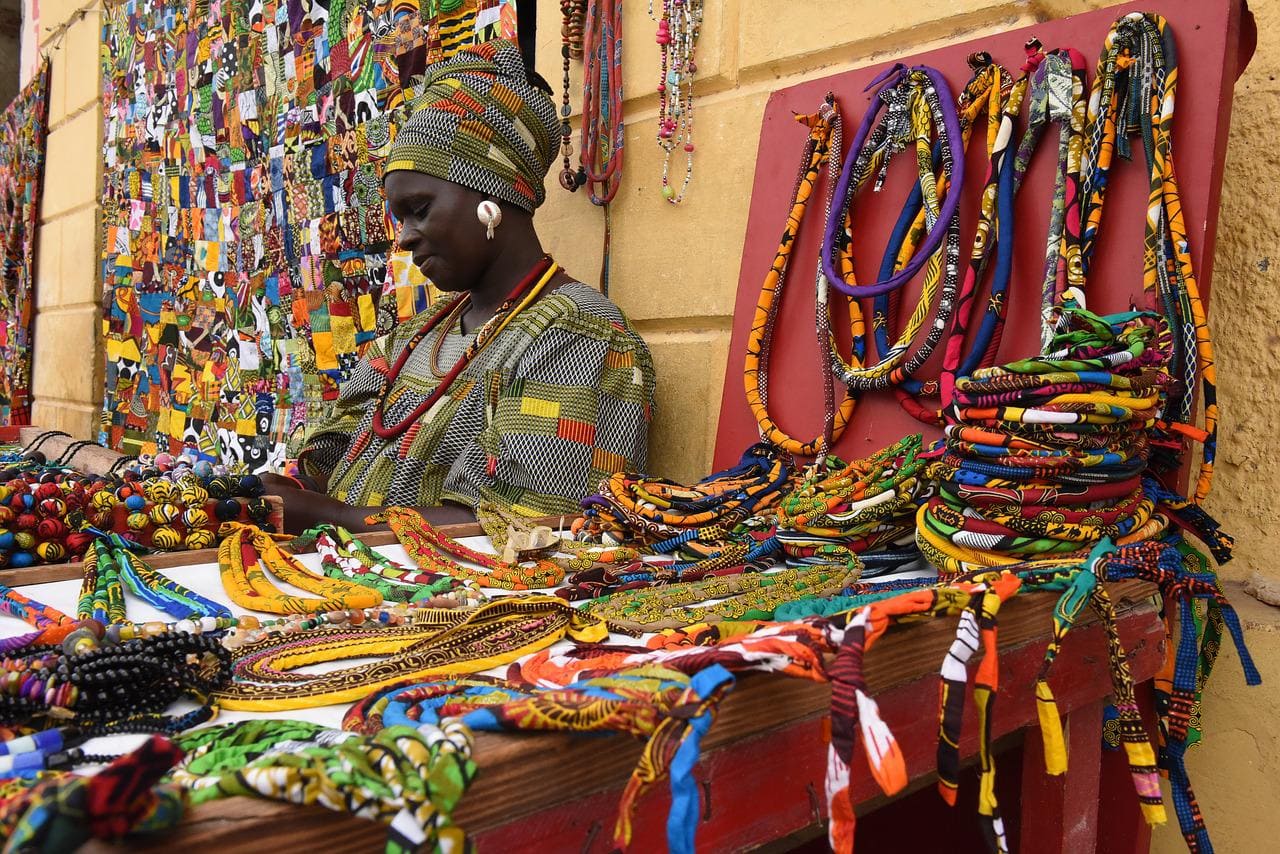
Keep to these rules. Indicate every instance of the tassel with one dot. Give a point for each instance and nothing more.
(888, 766)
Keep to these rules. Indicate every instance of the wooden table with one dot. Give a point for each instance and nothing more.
(763, 763)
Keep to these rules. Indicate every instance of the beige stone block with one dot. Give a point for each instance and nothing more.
(55, 13)
(641, 63)
(84, 83)
(73, 162)
(1263, 71)
(780, 36)
(690, 365)
(670, 261)
(58, 64)
(1245, 318)
(49, 254)
(68, 363)
(81, 256)
(78, 419)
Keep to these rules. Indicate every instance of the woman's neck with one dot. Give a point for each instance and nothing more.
(499, 279)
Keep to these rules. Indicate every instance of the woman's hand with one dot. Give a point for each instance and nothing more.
(274, 483)
(303, 510)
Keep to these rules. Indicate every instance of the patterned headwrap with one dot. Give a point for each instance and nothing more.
(480, 123)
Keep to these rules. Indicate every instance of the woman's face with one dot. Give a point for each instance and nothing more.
(438, 225)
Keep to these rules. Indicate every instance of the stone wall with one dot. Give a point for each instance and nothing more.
(69, 361)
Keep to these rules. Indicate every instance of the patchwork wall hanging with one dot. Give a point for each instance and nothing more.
(23, 127)
(248, 255)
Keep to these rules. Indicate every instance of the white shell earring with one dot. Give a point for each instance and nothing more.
(490, 216)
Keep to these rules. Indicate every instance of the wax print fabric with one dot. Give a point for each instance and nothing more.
(248, 255)
(23, 127)
(560, 399)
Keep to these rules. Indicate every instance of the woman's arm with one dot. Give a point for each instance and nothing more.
(304, 509)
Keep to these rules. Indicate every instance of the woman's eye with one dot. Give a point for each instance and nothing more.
(421, 212)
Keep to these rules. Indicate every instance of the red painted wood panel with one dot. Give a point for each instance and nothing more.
(1211, 48)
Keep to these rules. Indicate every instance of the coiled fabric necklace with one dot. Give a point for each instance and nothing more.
(918, 102)
(822, 146)
(1017, 482)
(655, 512)
(840, 511)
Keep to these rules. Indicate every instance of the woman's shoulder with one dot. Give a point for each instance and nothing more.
(582, 308)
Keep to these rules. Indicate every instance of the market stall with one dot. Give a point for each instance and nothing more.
(983, 590)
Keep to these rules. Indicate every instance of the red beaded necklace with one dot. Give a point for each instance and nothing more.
(520, 296)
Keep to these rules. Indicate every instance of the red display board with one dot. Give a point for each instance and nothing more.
(1214, 40)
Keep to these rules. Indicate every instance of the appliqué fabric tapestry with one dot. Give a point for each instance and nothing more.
(248, 255)
(23, 127)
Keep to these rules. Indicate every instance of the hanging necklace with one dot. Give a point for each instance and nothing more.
(918, 101)
(520, 298)
(995, 226)
(431, 549)
(1057, 95)
(603, 132)
(986, 93)
(573, 12)
(823, 145)
(678, 30)
(602, 127)
(1134, 89)
(869, 154)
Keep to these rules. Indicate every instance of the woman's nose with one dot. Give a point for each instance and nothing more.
(407, 237)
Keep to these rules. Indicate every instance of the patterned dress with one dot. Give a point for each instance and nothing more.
(558, 401)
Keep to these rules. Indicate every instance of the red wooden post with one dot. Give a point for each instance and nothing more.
(1060, 814)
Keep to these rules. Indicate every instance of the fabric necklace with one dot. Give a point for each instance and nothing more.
(664, 515)
(408, 778)
(521, 296)
(918, 102)
(1134, 90)
(985, 94)
(489, 636)
(431, 549)
(932, 102)
(245, 555)
(823, 145)
(746, 596)
(343, 556)
(110, 560)
(671, 711)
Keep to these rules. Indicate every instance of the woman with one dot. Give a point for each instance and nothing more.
(521, 387)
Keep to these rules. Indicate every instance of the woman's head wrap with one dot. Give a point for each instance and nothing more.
(480, 123)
